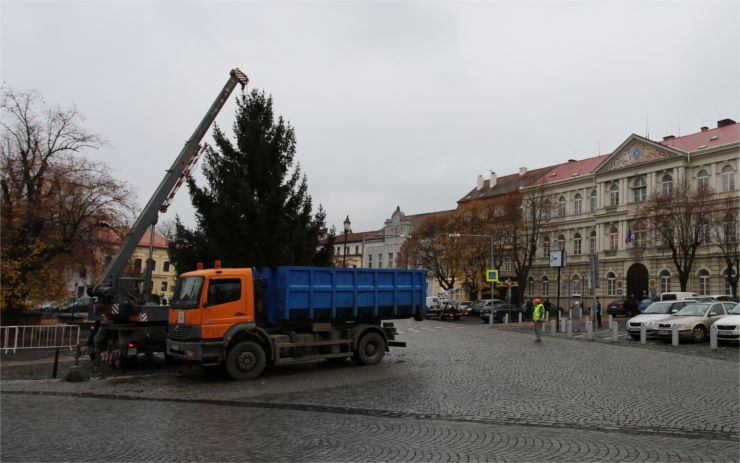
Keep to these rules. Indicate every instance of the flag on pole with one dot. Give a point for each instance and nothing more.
(630, 238)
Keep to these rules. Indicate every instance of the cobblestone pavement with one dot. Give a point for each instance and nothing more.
(459, 392)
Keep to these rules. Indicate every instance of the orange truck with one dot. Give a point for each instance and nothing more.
(247, 319)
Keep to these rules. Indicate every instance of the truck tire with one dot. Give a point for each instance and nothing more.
(245, 360)
(370, 349)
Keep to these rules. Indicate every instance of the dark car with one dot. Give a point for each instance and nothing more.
(449, 312)
(628, 307)
(499, 310)
(644, 304)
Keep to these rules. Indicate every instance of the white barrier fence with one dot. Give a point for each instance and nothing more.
(39, 337)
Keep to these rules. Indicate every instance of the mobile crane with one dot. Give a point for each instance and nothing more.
(127, 314)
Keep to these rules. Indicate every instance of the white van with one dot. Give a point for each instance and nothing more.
(434, 301)
(680, 296)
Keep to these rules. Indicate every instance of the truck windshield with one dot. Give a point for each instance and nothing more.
(187, 293)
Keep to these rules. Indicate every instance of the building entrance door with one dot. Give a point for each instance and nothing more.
(637, 281)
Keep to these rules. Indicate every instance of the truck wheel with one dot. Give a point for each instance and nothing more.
(245, 360)
(370, 350)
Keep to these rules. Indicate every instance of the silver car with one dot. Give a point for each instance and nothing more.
(654, 312)
(728, 328)
(693, 321)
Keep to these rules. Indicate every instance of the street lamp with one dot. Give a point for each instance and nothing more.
(458, 235)
(347, 224)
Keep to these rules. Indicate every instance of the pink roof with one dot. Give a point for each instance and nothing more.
(572, 169)
(116, 237)
(706, 138)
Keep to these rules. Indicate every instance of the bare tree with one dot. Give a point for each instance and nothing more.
(52, 200)
(677, 220)
(431, 248)
(723, 223)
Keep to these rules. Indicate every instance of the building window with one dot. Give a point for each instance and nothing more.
(163, 287)
(665, 281)
(611, 284)
(369, 261)
(705, 236)
(703, 282)
(561, 242)
(578, 204)
(546, 247)
(639, 190)
(640, 236)
(137, 266)
(390, 260)
(728, 288)
(561, 206)
(530, 286)
(614, 195)
(666, 185)
(380, 260)
(545, 286)
(613, 239)
(577, 244)
(592, 242)
(507, 265)
(154, 266)
(702, 178)
(730, 229)
(546, 207)
(357, 249)
(728, 179)
(592, 200)
(166, 266)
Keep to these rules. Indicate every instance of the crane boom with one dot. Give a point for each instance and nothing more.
(173, 175)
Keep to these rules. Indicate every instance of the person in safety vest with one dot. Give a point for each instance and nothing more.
(539, 319)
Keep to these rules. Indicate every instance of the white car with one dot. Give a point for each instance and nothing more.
(728, 327)
(659, 310)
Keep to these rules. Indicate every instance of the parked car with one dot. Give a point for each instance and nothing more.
(654, 312)
(626, 307)
(82, 304)
(449, 312)
(700, 299)
(463, 307)
(728, 328)
(644, 304)
(693, 320)
(676, 296)
(724, 298)
(499, 310)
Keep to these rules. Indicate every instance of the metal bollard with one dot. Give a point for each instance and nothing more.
(520, 317)
(589, 331)
(611, 321)
(615, 332)
(506, 318)
(553, 326)
(674, 335)
(713, 337)
(643, 333)
(570, 328)
(547, 316)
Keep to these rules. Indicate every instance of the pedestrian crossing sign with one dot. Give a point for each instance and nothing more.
(491, 275)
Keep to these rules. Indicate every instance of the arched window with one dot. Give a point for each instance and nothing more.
(729, 229)
(611, 284)
(546, 209)
(613, 239)
(614, 195)
(728, 178)
(561, 206)
(578, 204)
(639, 190)
(702, 178)
(592, 242)
(592, 200)
(546, 246)
(666, 185)
(530, 285)
(577, 244)
(665, 281)
(561, 242)
(545, 286)
(704, 282)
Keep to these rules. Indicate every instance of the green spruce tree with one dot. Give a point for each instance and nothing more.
(255, 210)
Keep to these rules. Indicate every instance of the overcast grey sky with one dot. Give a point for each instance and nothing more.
(394, 103)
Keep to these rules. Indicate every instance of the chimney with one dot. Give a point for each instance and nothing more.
(724, 123)
(522, 171)
(704, 129)
(669, 137)
(479, 182)
(571, 160)
(492, 180)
